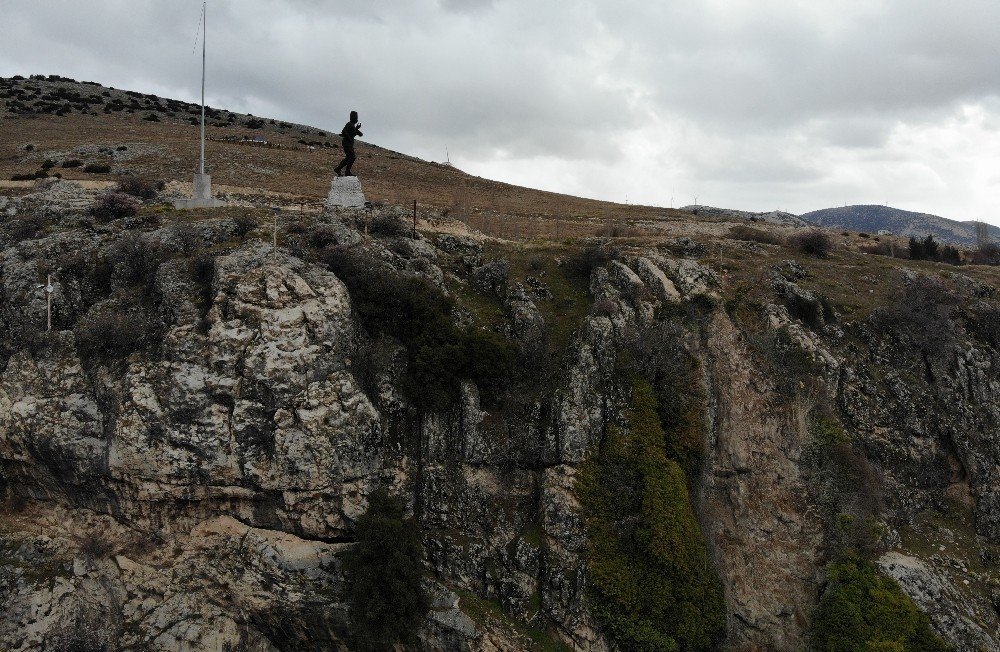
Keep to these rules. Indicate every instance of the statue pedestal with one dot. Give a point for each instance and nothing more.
(345, 192)
(202, 195)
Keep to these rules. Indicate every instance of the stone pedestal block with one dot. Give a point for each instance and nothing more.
(202, 195)
(346, 192)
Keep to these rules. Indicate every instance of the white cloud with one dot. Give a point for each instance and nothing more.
(752, 104)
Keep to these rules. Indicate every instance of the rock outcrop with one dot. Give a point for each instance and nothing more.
(200, 493)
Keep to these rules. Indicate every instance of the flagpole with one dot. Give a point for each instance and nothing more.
(204, 16)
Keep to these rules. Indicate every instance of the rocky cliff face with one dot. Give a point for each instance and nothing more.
(199, 492)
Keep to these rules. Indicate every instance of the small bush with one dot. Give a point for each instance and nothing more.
(152, 117)
(590, 258)
(80, 637)
(982, 322)
(48, 164)
(617, 230)
(72, 163)
(814, 243)
(244, 224)
(135, 261)
(23, 177)
(95, 546)
(113, 331)
(987, 254)
(323, 235)
(144, 189)
(28, 227)
(97, 168)
(750, 234)
(389, 226)
(606, 308)
(384, 573)
(113, 206)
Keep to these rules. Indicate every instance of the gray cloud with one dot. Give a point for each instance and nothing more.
(747, 104)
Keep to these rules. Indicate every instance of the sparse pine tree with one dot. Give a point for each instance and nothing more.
(384, 570)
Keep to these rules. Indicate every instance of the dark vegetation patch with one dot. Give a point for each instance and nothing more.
(384, 573)
(97, 168)
(412, 310)
(389, 225)
(920, 315)
(751, 234)
(26, 227)
(113, 206)
(814, 242)
(144, 189)
(864, 610)
(929, 249)
(115, 329)
(860, 609)
(651, 583)
(789, 367)
(982, 322)
(658, 354)
(812, 311)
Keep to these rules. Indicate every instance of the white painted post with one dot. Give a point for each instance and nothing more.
(49, 289)
(204, 35)
(48, 304)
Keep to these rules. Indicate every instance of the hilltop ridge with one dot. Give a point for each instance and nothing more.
(873, 218)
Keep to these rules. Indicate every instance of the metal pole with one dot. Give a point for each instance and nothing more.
(274, 235)
(204, 18)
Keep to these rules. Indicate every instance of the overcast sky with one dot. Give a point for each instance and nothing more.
(751, 104)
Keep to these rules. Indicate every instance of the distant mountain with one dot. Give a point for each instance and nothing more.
(872, 219)
(772, 217)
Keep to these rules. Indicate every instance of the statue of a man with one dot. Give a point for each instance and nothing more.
(350, 130)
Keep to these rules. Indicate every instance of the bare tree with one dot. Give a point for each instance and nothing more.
(982, 235)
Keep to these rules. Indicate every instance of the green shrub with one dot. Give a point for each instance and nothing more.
(658, 354)
(419, 315)
(72, 163)
(97, 168)
(864, 610)
(650, 579)
(848, 490)
(383, 573)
